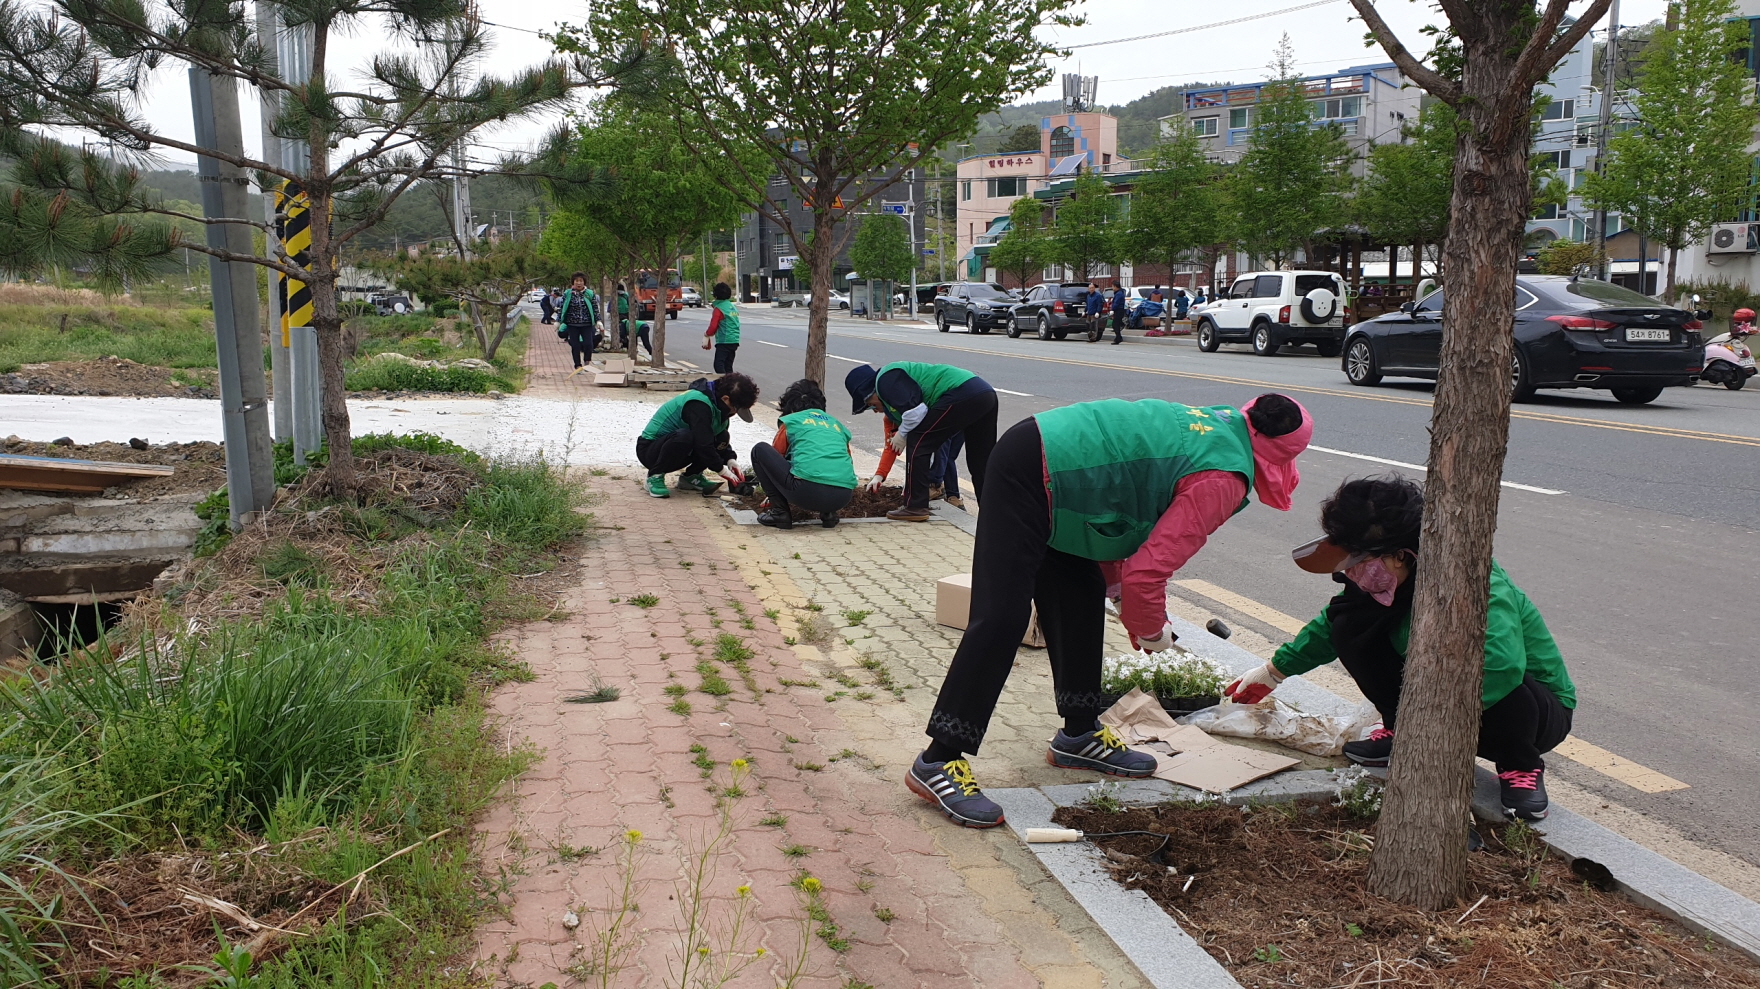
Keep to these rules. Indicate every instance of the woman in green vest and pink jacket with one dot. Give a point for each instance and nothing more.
(1082, 502)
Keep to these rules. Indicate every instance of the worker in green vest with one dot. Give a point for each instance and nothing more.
(723, 331)
(689, 434)
(929, 404)
(1086, 502)
(809, 463)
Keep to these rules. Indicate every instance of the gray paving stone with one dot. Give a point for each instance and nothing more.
(1166, 955)
(1656, 882)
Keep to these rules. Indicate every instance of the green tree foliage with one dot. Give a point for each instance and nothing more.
(1177, 207)
(78, 67)
(580, 243)
(1563, 257)
(1022, 138)
(1686, 163)
(1405, 194)
(1085, 235)
(74, 226)
(882, 248)
(1024, 248)
(838, 98)
(1292, 179)
(493, 280)
(702, 270)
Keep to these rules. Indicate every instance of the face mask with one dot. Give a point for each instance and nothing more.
(1375, 579)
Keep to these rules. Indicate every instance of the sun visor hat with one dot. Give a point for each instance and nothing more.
(1323, 556)
(745, 414)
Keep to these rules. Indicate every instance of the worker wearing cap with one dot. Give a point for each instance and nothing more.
(1082, 502)
(689, 434)
(929, 404)
(1371, 547)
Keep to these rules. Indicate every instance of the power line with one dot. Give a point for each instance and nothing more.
(1206, 27)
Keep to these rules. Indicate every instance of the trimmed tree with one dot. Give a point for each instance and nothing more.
(496, 279)
(1085, 232)
(1292, 179)
(839, 100)
(1686, 163)
(1024, 248)
(882, 249)
(1175, 207)
(1405, 193)
(1489, 60)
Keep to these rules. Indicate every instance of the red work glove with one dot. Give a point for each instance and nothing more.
(732, 472)
(1255, 686)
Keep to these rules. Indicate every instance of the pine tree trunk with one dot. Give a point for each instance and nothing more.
(1421, 845)
(820, 257)
(339, 472)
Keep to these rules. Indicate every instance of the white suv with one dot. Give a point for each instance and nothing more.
(1269, 309)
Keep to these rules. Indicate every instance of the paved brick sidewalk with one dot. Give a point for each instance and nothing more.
(917, 900)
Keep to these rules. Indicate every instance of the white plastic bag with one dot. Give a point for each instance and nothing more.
(1276, 721)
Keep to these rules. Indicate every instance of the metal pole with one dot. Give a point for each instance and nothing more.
(250, 464)
(293, 54)
(1610, 56)
(280, 353)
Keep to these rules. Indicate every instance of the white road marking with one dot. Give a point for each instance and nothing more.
(767, 343)
(1005, 391)
(852, 360)
(1421, 467)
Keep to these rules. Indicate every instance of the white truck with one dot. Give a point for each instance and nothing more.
(1271, 309)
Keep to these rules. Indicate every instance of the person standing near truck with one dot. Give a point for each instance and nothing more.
(723, 331)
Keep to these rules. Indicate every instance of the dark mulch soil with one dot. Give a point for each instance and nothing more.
(863, 506)
(1279, 900)
(200, 466)
(109, 376)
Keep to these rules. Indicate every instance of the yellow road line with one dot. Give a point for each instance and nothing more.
(1575, 749)
(1245, 605)
(1670, 432)
(1626, 771)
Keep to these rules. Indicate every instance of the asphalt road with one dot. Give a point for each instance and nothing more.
(1632, 528)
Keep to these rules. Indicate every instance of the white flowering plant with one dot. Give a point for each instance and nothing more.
(1169, 673)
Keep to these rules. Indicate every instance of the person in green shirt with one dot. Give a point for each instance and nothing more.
(723, 332)
(1371, 547)
(809, 463)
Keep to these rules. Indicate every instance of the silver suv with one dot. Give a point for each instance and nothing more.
(1269, 309)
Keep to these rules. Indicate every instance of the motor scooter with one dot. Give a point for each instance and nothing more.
(1728, 360)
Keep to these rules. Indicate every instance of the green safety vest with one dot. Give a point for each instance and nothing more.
(935, 380)
(728, 331)
(1112, 467)
(669, 418)
(818, 448)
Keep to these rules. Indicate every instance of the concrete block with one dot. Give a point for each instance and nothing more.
(19, 629)
(1167, 956)
(1656, 882)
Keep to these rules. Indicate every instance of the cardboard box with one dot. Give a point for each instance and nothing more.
(617, 364)
(953, 608)
(1184, 754)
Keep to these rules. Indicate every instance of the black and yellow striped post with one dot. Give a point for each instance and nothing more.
(293, 228)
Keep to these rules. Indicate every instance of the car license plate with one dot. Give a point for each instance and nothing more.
(1648, 334)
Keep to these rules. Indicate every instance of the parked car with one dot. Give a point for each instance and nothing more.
(978, 306)
(537, 295)
(1051, 310)
(1270, 309)
(692, 297)
(392, 305)
(1570, 333)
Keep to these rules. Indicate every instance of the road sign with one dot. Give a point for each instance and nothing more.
(928, 253)
(786, 262)
(899, 208)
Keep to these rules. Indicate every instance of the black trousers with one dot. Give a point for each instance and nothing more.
(1014, 569)
(1513, 733)
(581, 342)
(724, 353)
(1118, 319)
(776, 476)
(676, 451)
(968, 409)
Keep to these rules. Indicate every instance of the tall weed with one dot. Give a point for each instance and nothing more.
(525, 503)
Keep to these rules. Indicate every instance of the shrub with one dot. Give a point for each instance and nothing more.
(395, 375)
(1562, 257)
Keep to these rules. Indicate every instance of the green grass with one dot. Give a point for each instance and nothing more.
(163, 337)
(387, 375)
(423, 337)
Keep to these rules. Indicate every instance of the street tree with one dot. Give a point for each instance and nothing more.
(1175, 207)
(1687, 161)
(1023, 248)
(838, 97)
(1487, 62)
(84, 67)
(73, 226)
(1085, 233)
(1024, 137)
(628, 170)
(702, 269)
(581, 243)
(1292, 179)
(882, 251)
(1406, 189)
(492, 281)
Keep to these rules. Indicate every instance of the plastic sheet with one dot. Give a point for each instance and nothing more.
(1275, 721)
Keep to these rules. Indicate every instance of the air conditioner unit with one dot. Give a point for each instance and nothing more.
(1734, 238)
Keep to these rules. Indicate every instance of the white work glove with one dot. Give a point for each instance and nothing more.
(1255, 686)
(733, 475)
(897, 441)
(1163, 639)
(706, 343)
(874, 483)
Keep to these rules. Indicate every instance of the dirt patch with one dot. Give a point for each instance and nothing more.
(865, 505)
(109, 376)
(200, 466)
(1278, 898)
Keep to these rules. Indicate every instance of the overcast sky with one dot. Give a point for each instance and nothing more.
(1326, 37)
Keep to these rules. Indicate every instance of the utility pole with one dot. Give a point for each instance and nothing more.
(280, 350)
(244, 411)
(1609, 57)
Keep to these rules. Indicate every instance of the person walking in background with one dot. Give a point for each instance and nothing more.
(1095, 310)
(944, 472)
(930, 404)
(576, 316)
(808, 464)
(1120, 312)
(1182, 303)
(723, 331)
(622, 317)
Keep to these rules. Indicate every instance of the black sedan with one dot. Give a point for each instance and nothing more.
(1051, 310)
(1570, 333)
(978, 306)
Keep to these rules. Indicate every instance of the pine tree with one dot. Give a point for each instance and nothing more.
(1292, 179)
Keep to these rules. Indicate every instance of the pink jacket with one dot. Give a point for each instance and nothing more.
(1201, 503)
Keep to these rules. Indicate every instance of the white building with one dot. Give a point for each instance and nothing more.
(1731, 252)
(1369, 103)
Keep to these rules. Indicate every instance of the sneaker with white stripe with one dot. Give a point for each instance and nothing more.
(950, 786)
(1100, 750)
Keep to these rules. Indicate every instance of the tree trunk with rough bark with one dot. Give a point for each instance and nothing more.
(820, 258)
(339, 471)
(657, 335)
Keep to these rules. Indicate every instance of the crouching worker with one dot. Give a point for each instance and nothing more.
(808, 464)
(689, 434)
(927, 404)
(1079, 498)
(1371, 547)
